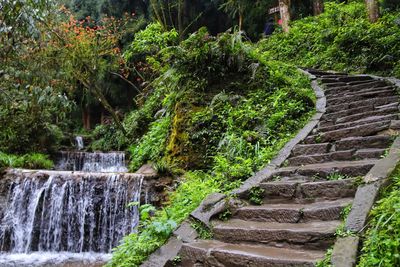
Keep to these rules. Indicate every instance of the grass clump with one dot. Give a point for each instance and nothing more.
(381, 246)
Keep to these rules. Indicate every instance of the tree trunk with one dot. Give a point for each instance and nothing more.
(86, 117)
(284, 6)
(96, 92)
(373, 10)
(318, 7)
(240, 22)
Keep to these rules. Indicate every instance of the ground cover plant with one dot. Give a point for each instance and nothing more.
(342, 38)
(381, 245)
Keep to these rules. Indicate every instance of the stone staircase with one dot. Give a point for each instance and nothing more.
(303, 201)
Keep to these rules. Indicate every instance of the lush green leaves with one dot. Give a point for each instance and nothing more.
(342, 38)
(382, 240)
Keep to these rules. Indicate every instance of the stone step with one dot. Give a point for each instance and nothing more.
(309, 190)
(346, 112)
(366, 120)
(360, 130)
(369, 153)
(377, 141)
(374, 101)
(309, 149)
(216, 253)
(322, 170)
(359, 82)
(293, 212)
(363, 115)
(311, 235)
(349, 91)
(332, 85)
(341, 155)
(359, 97)
(354, 78)
(321, 158)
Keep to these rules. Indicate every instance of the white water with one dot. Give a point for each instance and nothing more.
(79, 143)
(48, 259)
(92, 162)
(69, 218)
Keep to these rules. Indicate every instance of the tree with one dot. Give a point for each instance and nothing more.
(318, 7)
(284, 6)
(373, 9)
(236, 8)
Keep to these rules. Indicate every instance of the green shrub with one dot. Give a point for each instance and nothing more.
(343, 39)
(28, 161)
(381, 246)
(152, 145)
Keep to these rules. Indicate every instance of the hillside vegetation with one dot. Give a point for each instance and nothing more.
(343, 39)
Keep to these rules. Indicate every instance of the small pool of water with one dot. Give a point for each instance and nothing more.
(48, 259)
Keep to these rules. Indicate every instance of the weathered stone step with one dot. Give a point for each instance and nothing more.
(365, 85)
(321, 158)
(354, 78)
(349, 168)
(390, 117)
(216, 253)
(360, 130)
(377, 141)
(359, 97)
(373, 101)
(363, 115)
(313, 235)
(341, 155)
(309, 149)
(369, 153)
(350, 92)
(309, 190)
(293, 212)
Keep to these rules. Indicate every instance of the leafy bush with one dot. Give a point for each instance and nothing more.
(155, 230)
(342, 38)
(29, 161)
(28, 119)
(382, 240)
(152, 144)
(224, 112)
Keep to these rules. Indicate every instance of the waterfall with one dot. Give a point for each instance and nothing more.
(79, 212)
(92, 162)
(55, 211)
(79, 142)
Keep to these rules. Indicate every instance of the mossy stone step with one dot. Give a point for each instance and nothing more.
(217, 253)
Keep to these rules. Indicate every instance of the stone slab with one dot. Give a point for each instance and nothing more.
(165, 253)
(345, 252)
(211, 205)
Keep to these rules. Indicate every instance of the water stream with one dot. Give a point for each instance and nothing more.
(78, 213)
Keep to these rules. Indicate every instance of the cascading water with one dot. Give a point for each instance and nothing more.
(79, 142)
(82, 213)
(92, 162)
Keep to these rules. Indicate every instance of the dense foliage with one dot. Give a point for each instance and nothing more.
(28, 161)
(382, 240)
(222, 112)
(341, 38)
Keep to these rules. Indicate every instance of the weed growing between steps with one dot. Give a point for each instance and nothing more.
(381, 245)
(342, 39)
(28, 161)
(220, 111)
